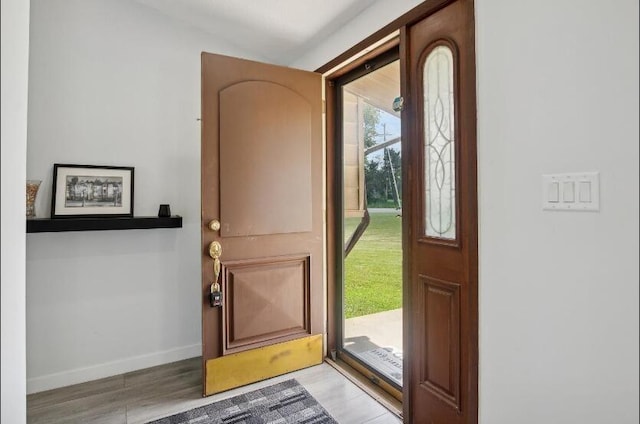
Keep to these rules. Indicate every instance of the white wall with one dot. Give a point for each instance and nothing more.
(557, 92)
(14, 71)
(114, 83)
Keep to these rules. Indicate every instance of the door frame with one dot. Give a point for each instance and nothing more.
(344, 63)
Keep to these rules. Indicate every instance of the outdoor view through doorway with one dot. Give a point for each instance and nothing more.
(372, 222)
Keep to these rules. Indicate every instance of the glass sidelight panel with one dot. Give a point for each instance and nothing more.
(439, 145)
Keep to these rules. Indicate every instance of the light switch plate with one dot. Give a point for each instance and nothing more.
(579, 191)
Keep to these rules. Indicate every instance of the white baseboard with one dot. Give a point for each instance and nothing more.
(108, 369)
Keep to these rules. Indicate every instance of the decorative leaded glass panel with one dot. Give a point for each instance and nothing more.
(439, 145)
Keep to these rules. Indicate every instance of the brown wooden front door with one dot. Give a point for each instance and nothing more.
(440, 215)
(262, 181)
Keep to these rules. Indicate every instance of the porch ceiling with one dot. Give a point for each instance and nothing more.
(379, 88)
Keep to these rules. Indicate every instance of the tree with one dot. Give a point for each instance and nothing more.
(372, 175)
(395, 166)
(375, 181)
(378, 174)
(371, 121)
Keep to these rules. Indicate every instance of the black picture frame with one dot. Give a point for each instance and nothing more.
(92, 191)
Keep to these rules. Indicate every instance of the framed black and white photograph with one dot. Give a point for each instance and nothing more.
(92, 191)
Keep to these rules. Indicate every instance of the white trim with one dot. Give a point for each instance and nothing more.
(108, 369)
(364, 51)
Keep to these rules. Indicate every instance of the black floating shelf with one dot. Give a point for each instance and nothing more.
(47, 225)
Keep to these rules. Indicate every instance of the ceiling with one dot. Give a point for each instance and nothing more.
(278, 31)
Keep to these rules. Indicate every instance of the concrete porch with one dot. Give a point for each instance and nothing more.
(377, 340)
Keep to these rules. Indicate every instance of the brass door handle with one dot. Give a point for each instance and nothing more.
(215, 251)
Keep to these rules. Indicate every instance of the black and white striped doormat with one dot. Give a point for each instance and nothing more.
(283, 403)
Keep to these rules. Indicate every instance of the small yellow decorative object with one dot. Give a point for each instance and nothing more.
(32, 191)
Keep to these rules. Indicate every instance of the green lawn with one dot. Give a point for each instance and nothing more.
(373, 269)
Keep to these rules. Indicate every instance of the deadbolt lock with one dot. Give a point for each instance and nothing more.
(214, 225)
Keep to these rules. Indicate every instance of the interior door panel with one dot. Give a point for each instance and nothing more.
(262, 180)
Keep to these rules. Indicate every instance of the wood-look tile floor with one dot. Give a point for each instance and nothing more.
(149, 394)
